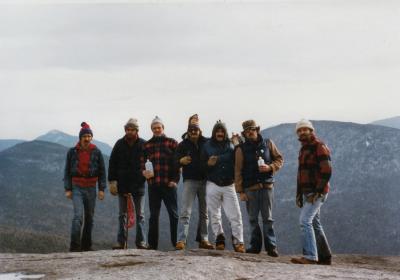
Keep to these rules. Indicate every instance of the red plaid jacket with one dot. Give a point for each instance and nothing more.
(161, 151)
(315, 167)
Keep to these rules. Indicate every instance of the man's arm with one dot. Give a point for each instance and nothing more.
(102, 173)
(324, 167)
(67, 173)
(276, 156)
(238, 170)
(113, 164)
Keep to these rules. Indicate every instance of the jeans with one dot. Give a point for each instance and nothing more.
(84, 201)
(226, 197)
(169, 196)
(138, 202)
(261, 201)
(315, 244)
(191, 189)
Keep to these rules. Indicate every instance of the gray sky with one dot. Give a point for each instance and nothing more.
(62, 62)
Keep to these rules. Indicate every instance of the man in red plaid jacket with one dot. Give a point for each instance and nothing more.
(162, 181)
(313, 176)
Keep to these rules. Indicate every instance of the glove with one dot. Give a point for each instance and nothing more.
(299, 201)
(113, 187)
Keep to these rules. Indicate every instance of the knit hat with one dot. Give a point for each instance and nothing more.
(132, 123)
(304, 123)
(85, 129)
(250, 124)
(157, 120)
(193, 122)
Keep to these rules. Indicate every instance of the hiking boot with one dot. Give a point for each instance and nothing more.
(273, 253)
(118, 246)
(75, 250)
(142, 246)
(251, 250)
(87, 249)
(239, 248)
(327, 261)
(302, 260)
(220, 242)
(204, 244)
(180, 245)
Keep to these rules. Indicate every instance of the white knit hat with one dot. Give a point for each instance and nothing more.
(157, 120)
(304, 123)
(133, 123)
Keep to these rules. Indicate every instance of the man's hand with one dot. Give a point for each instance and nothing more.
(264, 168)
(100, 195)
(243, 197)
(68, 194)
(185, 160)
(235, 139)
(113, 187)
(172, 184)
(148, 174)
(313, 198)
(299, 201)
(212, 160)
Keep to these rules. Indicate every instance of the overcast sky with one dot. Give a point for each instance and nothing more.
(62, 62)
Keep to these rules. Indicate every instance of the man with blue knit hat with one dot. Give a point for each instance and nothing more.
(84, 168)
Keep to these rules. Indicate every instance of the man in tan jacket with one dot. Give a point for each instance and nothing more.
(256, 162)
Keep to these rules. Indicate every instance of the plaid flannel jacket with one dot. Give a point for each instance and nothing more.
(315, 167)
(161, 152)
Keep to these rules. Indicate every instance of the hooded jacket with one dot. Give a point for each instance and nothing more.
(222, 173)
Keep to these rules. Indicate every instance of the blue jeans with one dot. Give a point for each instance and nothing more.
(315, 244)
(191, 189)
(84, 201)
(169, 196)
(138, 202)
(261, 201)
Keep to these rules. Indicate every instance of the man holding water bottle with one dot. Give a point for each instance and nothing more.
(256, 162)
(194, 184)
(162, 174)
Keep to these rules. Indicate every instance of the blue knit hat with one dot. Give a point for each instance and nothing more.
(85, 129)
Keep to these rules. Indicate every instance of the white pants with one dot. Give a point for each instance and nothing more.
(226, 197)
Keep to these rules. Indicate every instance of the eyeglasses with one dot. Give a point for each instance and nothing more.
(250, 129)
(193, 130)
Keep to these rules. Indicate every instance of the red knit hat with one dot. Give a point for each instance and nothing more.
(85, 129)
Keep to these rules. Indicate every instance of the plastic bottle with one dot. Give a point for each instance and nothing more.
(260, 161)
(149, 165)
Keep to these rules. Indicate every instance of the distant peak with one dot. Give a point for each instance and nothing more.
(55, 131)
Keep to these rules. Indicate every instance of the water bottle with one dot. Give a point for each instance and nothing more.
(260, 161)
(149, 165)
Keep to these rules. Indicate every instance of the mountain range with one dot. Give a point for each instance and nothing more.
(390, 122)
(359, 215)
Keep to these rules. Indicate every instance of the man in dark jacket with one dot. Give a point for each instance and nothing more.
(218, 160)
(126, 180)
(313, 176)
(84, 168)
(194, 184)
(162, 181)
(256, 162)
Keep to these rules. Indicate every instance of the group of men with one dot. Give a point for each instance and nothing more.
(214, 170)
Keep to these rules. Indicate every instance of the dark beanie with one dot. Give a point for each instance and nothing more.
(85, 129)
